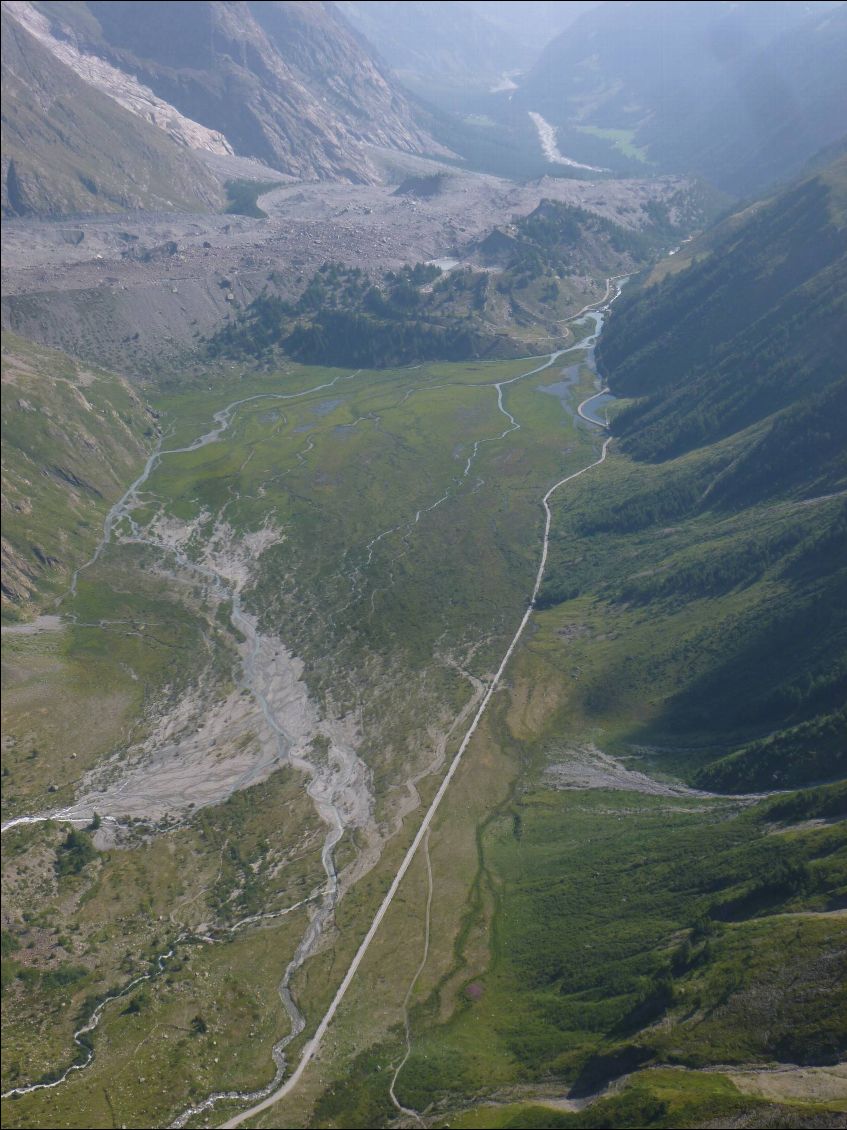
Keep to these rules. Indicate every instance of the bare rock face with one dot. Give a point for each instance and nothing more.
(286, 83)
(67, 147)
(125, 89)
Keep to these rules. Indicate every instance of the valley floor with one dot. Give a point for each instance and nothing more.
(310, 622)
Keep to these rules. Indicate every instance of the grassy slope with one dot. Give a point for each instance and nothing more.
(73, 436)
(736, 367)
(754, 327)
(674, 609)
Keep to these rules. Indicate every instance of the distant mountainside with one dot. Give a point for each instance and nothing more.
(288, 84)
(69, 148)
(465, 44)
(444, 40)
(532, 22)
(742, 94)
(733, 358)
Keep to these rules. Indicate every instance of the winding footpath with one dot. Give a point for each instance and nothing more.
(582, 409)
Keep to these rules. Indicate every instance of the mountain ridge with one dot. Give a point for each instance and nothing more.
(742, 94)
(287, 83)
(70, 148)
(732, 366)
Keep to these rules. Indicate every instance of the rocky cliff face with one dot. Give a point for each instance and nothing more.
(125, 89)
(67, 147)
(289, 84)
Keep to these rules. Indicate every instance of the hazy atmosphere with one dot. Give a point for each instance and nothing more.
(424, 564)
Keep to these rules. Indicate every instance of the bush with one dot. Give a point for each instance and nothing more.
(74, 853)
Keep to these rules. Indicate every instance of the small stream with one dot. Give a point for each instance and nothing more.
(324, 785)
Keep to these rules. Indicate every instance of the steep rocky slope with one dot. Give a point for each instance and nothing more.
(67, 147)
(287, 83)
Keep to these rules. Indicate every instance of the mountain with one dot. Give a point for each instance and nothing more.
(67, 147)
(288, 84)
(753, 325)
(72, 436)
(439, 41)
(532, 22)
(742, 94)
(460, 45)
(732, 363)
(462, 62)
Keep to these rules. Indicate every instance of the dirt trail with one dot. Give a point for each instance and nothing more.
(407, 1111)
(586, 415)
